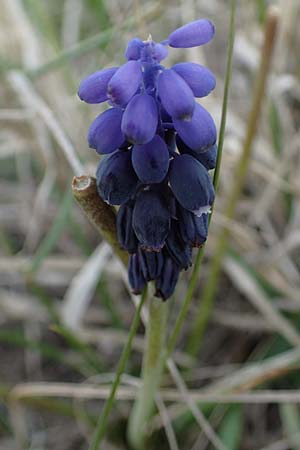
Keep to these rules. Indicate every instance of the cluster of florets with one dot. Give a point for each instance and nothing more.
(159, 146)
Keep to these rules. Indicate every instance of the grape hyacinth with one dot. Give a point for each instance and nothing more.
(159, 145)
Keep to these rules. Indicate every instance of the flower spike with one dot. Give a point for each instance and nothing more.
(159, 145)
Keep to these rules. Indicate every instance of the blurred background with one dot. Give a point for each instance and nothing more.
(65, 307)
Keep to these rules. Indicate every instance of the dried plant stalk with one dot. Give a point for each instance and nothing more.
(98, 212)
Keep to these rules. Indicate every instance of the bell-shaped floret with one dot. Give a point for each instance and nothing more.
(151, 161)
(192, 34)
(116, 179)
(135, 274)
(140, 119)
(124, 83)
(193, 229)
(126, 234)
(105, 134)
(208, 158)
(191, 184)
(93, 89)
(176, 96)
(200, 79)
(134, 49)
(151, 264)
(151, 219)
(179, 250)
(166, 283)
(159, 52)
(200, 132)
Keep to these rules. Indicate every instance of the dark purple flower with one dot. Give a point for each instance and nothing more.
(179, 251)
(192, 34)
(124, 83)
(151, 264)
(166, 283)
(116, 179)
(93, 89)
(134, 49)
(151, 161)
(193, 229)
(176, 96)
(151, 219)
(126, 234)
(140, 119)
(105, 134)
(191, 184)
(164, 197)
(200, 79)
(135, 274)
(200, 132)
(208, 158)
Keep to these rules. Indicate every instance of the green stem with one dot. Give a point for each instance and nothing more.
(194, 278)
(208, 296)
(103, 418)
(151, 373)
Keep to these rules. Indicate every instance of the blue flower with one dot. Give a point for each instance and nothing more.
(177, 248)
(105, 134)
(151, 264)
(166, 283)
(93, 89)
(191, 184)
(159, 145)
(116, 179)
(134, 49)
(192, 34)
(151, 161)
(200, 132)
(193, 229)
(124, 83)
(176, 96)
(140, 119)
(135, 275)
(199, 78)
(126, 235)
(208, 158)
(151, 219)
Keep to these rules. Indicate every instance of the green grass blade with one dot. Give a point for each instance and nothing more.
(231, 429)
(275, 127)
(290, 418)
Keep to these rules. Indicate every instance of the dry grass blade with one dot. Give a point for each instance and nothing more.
(167, 424)
(25, 89)
(247, 285)
(89, 391)
(191, 404)
(82, 287)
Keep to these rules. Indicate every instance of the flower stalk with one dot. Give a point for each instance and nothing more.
(207, 300)
(151, 373)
